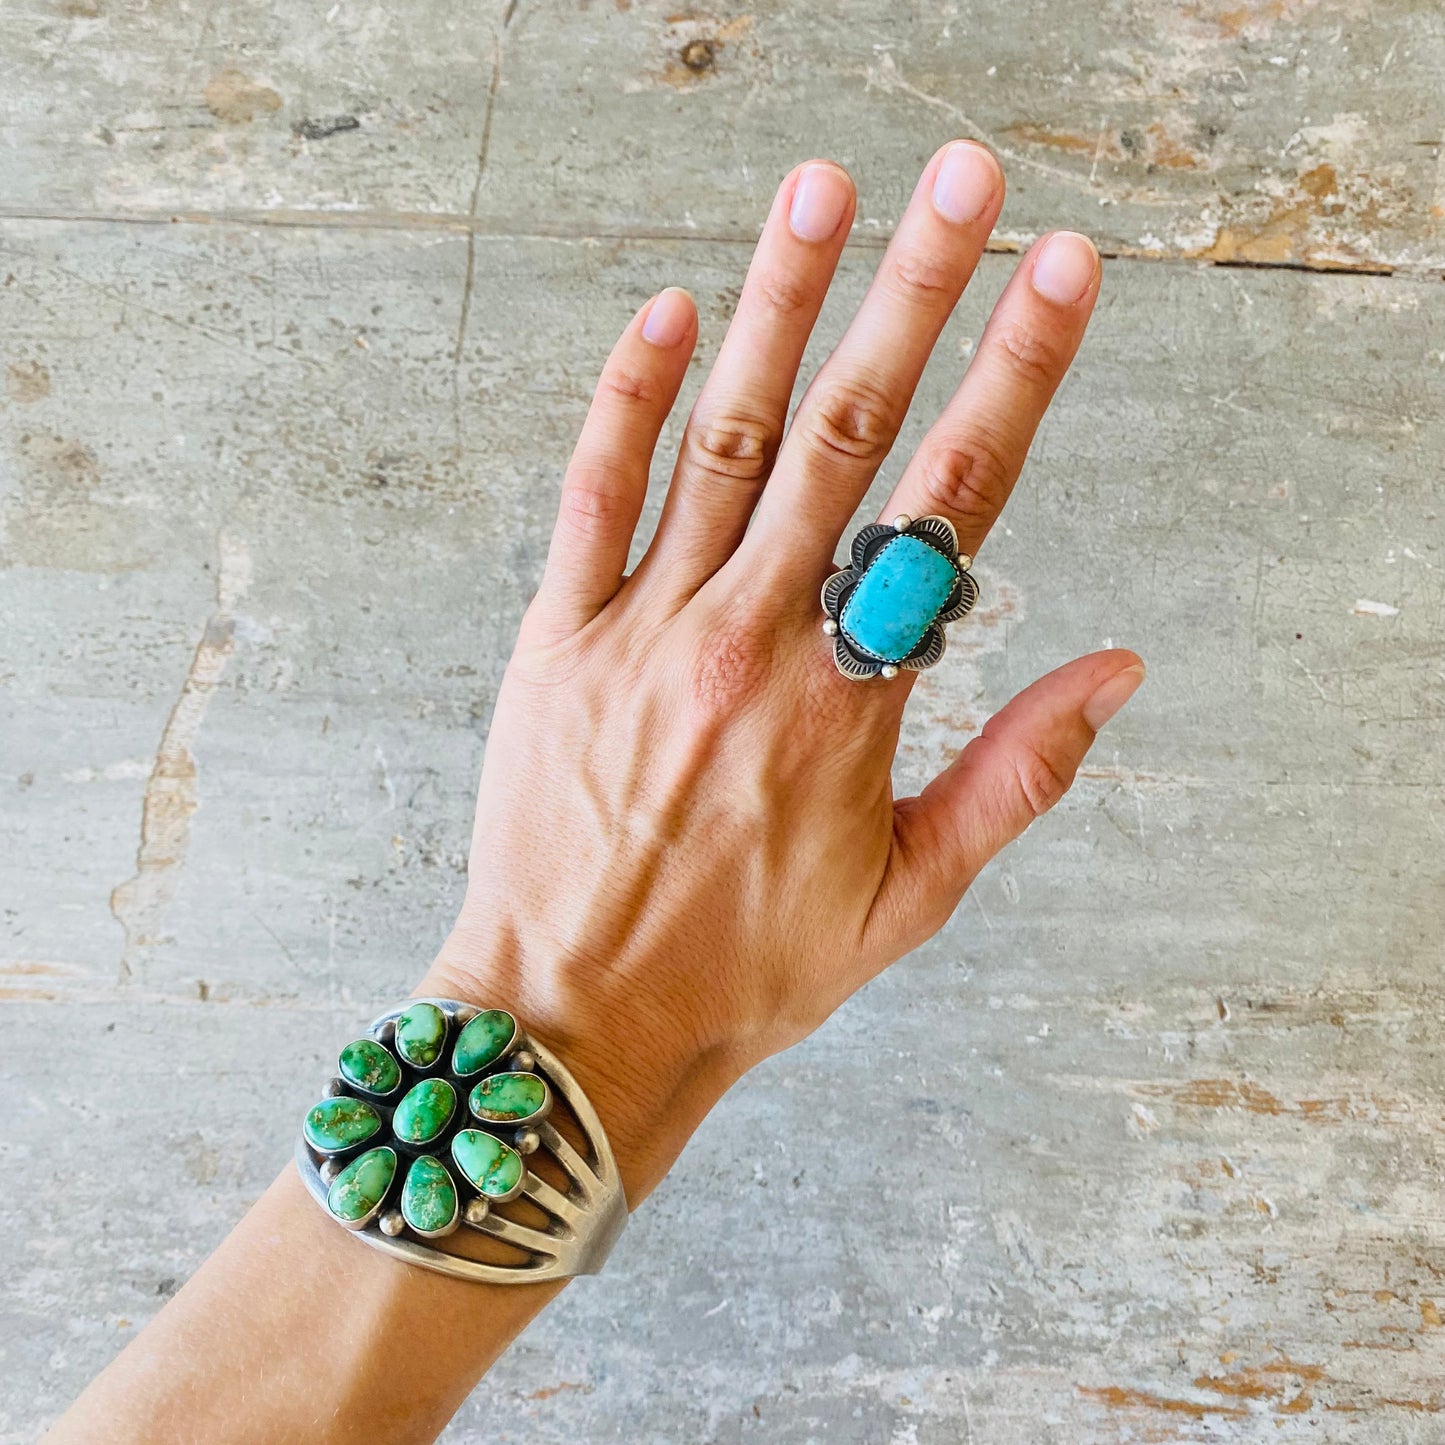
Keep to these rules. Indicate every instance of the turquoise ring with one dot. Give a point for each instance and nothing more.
(885, 611)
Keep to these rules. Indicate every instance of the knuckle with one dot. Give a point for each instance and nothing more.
(622, 383)
(852, 418)
(591, 505)
(1041, 785)
(783, 294)
(924, 275)
(737, 447)
(968, 480)
(1031, 352)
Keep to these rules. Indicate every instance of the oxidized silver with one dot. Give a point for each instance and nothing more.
(584, 1222)
(936, 532)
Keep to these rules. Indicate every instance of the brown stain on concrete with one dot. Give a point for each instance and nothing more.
(1252, 1098)
(1253, 19)
(27, 382)
(233, 97)
(1282, 235)
(1117, 1397)
(695, 42)
(1155, 147)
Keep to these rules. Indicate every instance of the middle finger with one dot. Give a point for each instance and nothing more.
(850, 415)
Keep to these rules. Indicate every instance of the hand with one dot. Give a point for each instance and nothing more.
(687, 852)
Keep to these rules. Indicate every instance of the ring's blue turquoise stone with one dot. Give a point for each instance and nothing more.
(901, 592)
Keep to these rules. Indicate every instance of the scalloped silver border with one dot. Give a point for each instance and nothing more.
(938, 532)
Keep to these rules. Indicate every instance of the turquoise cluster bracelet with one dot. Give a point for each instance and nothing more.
(424, 1136)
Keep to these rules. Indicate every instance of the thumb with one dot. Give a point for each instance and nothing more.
(1014, 771)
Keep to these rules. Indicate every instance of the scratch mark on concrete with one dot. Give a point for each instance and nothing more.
(884, 75)
(469, 282)
(171, 795)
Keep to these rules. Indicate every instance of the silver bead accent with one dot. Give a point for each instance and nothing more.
(386, 1033)
(392, 1223)
(902, 522)
(478, 1210)
(964, 561)
(464, 1016)
(335, 1088)
(329, 1170)
(888, 670)
(522, 1062)
(526, 1141)
(830, 628)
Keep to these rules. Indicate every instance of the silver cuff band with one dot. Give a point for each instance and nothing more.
(421, 1148)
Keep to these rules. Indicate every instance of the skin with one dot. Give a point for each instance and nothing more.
(687, 851)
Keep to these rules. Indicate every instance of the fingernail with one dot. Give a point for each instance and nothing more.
(668, 318)
(820, 198)
(1109, 698)
(1065, 268)
(967, 179)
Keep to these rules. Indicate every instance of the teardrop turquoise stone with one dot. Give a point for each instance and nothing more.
(901, 592)
(420, 1033)
(368, 1066)
(424, 1112)
(494, 1168)
(338, 1123)
(362, 1185)
(428, 1198)
(483, 1041)
(509, 1098)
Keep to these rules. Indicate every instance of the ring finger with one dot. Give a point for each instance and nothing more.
(967, 464)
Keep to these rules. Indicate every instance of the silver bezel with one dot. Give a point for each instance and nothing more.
(506, 1144)
(422, 1145)
(357, 1225)
(347, 1150)
(347, 1084)
(583, 1221)
(854, 661)
(533, 1118)
(512, 1044)
(452, 1225)
(441, 1061)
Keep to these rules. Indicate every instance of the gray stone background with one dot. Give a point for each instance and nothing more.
(300, 307)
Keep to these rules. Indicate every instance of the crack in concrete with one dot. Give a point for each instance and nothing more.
(171, 794)
(464, 316)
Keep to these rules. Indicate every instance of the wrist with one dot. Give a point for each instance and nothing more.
(651, 1087)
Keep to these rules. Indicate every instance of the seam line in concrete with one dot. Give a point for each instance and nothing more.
(463, 225)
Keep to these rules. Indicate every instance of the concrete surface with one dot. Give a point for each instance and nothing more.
(283, 400)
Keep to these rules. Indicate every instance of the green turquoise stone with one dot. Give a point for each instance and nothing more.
(494, 1168)
(420, 1033)
(368, 1066)
(424, 1112)
(338, 1123)
(901, 592)
(509, 1098)
(483, 1041)
(362, 1185)
(428, 1198)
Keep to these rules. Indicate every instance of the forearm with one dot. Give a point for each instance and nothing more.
(294, 1330)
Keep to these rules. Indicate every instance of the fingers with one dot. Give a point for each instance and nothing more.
(970, 459)
(737, 422)
(1014, 771)
(851, 413)
(606, 479)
